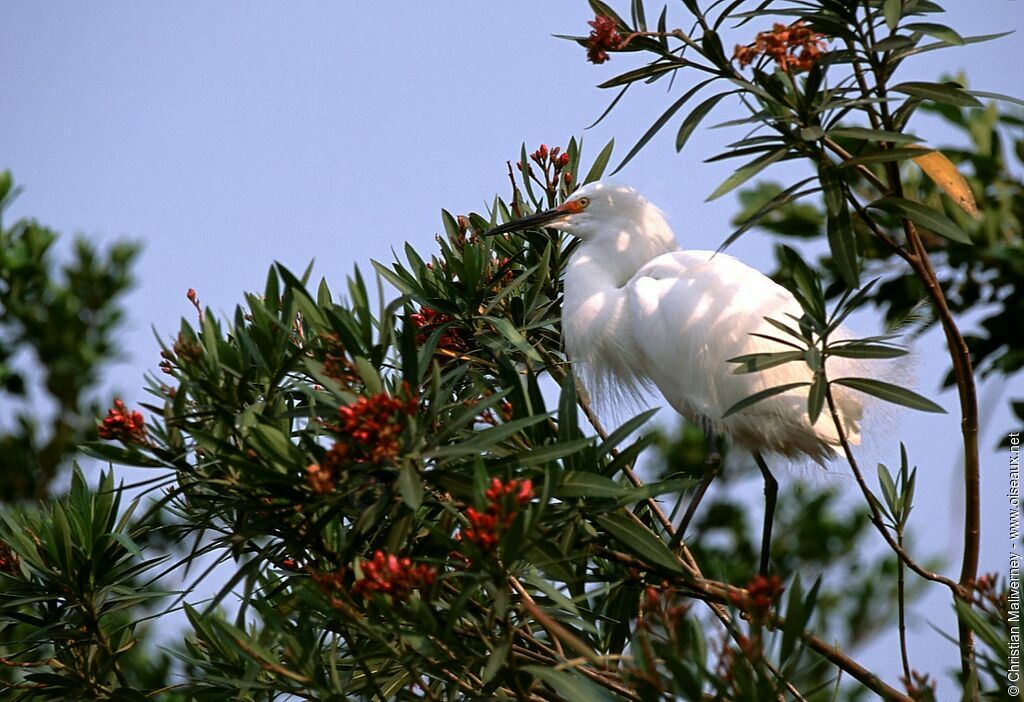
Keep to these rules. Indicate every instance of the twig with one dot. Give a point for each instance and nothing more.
(876, 514)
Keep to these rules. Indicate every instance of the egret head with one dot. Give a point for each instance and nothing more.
(601, 212)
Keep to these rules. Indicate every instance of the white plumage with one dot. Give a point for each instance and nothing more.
(638, 310)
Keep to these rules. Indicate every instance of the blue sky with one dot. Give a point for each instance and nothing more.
(225, 136)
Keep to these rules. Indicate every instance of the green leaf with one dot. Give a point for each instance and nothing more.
(873, 135)
(939, 31)
(891, 393)
(584, 484)
(759, 396)
(747, 172)
(551, 452)
(986, 632)
(892, 10)
(660, 122)
(410, 486)
(842, 243)
(757, 362)
(600, 163)
(888, 490)
(639, 540)
(798, 613)
(513, 336)
(569, 685)
(619, 434)
(924, 216)
(785, 197)
(996, 96)
(816, 397)
(857, 349)
(693, 119)
(901, 153)
(642, 73)
(945, 93)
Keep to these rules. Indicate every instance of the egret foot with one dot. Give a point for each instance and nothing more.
(712, 464)
(771, 491)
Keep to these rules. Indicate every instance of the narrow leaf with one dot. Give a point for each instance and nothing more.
(945, 93)
(763, 395)
(639, 540)
(891, 393)
(923, 215)
(747, 172)
(660, 122)
(600, 163)
(945, 174)
(693, 119)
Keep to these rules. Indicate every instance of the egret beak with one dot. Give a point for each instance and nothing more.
(536, 220)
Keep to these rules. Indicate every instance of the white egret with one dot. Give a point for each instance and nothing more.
(639, 311)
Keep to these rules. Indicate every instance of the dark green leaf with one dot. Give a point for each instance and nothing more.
(693, 119)
(600, 163)
(584, 484)
(888, 490)
(816, 397)
(891, 393)
(939, 31)
(892, 10)
(638, 540)
(747, 172)
(924, 216)
(842, 243)
(757, 362)
(569, 685)
(873, 135)
(763, 395)
(856, 349)
(660, 122)
(898, 154)
(945, 93)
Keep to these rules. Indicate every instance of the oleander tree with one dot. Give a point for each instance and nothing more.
(399, 491)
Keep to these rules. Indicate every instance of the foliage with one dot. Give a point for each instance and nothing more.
(68, 323)
(985, 275)
(408, 497)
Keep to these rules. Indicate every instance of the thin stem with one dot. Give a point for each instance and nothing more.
(876, 513)
(901, 603)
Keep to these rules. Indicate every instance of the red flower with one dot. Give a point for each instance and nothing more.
(391, 575)
(369, 428)
(8, 560)
(794, 47)
(120, 423)
(504, 501)
(761, 595)
(604, 36)
(427, 320)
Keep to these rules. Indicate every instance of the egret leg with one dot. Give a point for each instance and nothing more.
(712, 464)
(771, 491)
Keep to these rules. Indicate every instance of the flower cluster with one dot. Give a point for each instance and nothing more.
(337, 365)
(762, 592)
(391, 575)
(795, 47)
(920, 687)
(503, 503)
(8, 560)
(370, 428)
(603, 38)
(452, 340)
(182, 351)
(552, 163)
(124, 424)
(661, 602)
